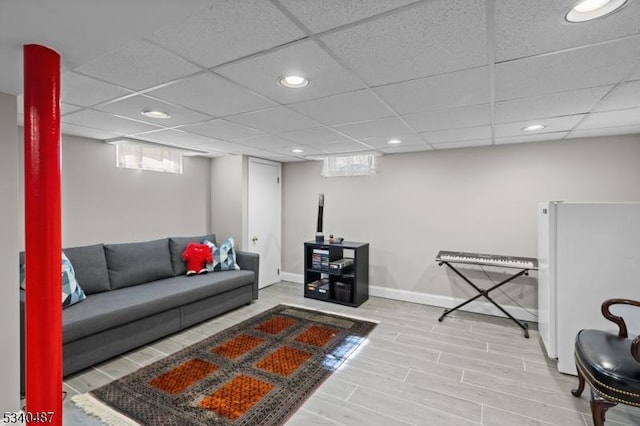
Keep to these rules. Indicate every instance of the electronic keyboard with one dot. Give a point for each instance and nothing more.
(487, 259)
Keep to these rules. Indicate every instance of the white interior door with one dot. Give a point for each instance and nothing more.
(264, 217)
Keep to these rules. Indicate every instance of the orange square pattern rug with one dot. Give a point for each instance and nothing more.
(257, 372)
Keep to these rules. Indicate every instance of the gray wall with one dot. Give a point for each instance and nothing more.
(9, 298)
(475, 199)
(102, 203)
(227, 197)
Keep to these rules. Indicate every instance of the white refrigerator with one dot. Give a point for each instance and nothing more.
(587, 253)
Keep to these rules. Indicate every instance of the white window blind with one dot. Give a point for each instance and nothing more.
(147, 157)
(350, 165)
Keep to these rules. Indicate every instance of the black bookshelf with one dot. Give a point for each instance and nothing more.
(324, 281)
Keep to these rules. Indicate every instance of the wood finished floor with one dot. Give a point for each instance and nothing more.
(413, 370)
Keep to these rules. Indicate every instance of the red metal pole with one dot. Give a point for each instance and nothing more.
(43, 316)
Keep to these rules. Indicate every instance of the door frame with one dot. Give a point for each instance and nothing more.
(247, 234)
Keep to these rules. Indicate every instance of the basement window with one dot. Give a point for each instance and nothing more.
(148, 157)
(350, 165)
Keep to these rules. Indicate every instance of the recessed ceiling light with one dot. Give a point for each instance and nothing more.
(533, 127)
(156, 114)
(297, 151)
(394, 141)
(587, 10)
(294, 81)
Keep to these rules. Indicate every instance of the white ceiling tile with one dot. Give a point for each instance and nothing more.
(432, 38)
(599, 120)
(463, 144)
(86, 132)
(624, 96)
(596, 65)
(456, 89)
(454, 135)
(556, 104)
(264, 142)
(211, 94)
(407, 140)
(424, 62)
(222, 129)
(458, 118)
(85, 91)
(553, 124)
(399, 149)
(64, 108)
(384, 127)
(323, 15)
(624, 130)
(273, 156)
(104, 121)
(228, 30)
(307, 150)
(79, 30)
(344, 147)
(224, 147)
(261, 73)
(236, 148)
(531, 138)
(525, 27)
(314, 135)
(254, 151)
(209, 154)
(175, 137)
(345, 108)
(138, 65)
(133, 106)
(275, 120)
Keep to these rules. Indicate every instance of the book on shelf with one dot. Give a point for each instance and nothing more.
(320, 259)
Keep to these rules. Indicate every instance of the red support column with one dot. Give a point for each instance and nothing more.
(43, 316)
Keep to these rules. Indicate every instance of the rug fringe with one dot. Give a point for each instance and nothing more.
(96, 408)
(328, 311)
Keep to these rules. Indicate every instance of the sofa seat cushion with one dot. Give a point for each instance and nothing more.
(103, 311)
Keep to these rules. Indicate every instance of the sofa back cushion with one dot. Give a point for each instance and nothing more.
(90, 265)
(136, 263)
(177, 246)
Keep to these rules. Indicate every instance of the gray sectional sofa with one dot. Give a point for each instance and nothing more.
(138, 293)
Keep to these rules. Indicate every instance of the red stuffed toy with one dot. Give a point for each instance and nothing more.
(196, 257)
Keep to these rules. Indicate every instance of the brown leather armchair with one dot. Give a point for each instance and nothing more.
(609, 363)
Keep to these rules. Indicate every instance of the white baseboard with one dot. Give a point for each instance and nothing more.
(477, 306)
(294, 278)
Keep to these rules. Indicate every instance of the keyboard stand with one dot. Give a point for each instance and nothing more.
(485, 293)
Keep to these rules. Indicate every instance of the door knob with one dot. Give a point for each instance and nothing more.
(254, 239)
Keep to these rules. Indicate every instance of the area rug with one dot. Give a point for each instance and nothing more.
(257, 372)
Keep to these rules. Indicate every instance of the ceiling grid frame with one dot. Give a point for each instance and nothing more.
(509, 26)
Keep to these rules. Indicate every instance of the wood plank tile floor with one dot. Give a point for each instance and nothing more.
(412, 370)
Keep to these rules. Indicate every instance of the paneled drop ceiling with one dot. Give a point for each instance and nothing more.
(435, 74)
